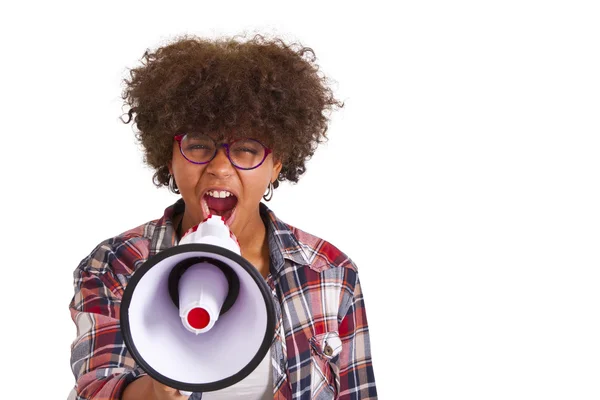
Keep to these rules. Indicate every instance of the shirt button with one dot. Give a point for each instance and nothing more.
(328, 350)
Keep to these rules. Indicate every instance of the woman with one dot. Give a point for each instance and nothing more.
(221, 122)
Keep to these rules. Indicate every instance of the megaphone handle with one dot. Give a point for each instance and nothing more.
(185, 393)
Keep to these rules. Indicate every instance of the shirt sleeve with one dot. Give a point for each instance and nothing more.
(100, 362)
(357, 380)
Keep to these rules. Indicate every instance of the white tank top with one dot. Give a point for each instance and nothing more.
(256, 386)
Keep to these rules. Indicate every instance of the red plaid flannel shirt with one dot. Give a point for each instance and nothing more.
(321, 346)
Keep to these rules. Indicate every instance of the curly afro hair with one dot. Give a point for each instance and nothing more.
(261, 87)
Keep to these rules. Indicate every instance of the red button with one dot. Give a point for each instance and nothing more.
(198, 318)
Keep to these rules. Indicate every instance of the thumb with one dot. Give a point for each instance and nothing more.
(168, 393)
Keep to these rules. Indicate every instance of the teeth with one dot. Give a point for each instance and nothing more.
(219, 194)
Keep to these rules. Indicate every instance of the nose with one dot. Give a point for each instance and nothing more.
(220, 166)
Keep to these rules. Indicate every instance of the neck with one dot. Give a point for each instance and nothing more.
(252, 237)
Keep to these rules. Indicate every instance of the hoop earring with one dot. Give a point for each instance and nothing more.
(172, 185)
(269, 195)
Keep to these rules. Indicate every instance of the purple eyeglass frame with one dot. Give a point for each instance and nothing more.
(178, 138)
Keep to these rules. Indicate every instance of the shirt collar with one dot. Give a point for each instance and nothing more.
(282, 241)
(283, 244)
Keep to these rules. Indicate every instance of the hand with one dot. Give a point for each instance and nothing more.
(163, 392)
(145, 388)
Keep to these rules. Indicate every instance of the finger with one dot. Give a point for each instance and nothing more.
(169, 392)
(159, 387)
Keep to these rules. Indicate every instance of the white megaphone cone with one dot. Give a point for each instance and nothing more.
(198, 317)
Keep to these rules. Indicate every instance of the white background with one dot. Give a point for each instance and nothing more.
(461, 177)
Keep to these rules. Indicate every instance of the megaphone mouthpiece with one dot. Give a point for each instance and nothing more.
(212, 230)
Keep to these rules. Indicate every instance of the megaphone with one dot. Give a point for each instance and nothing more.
(198, 317)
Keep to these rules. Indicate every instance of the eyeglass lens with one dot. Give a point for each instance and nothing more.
(244, 153)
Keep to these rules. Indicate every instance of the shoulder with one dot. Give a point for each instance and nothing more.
(305, 248)
(123, 253)
(320, 254)
(120, 254)
(328, 275)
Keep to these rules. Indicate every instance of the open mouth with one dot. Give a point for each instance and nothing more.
(219, 202)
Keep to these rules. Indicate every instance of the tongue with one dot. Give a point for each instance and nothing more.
(224, 204)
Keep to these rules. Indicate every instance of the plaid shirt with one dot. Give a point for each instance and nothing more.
(321, 346)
